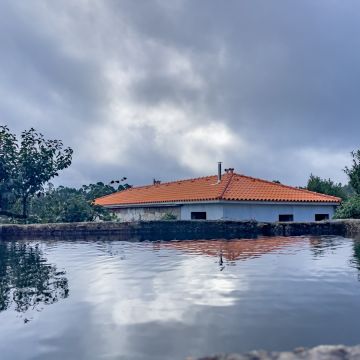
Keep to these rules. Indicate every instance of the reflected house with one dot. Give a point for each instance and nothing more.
(228, 196)
(233, 250)
(27, 280)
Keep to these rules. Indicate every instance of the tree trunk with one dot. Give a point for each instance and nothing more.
(24, 208)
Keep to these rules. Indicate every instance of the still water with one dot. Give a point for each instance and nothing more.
(170, 300)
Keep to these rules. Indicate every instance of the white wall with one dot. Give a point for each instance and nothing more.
(227, 211)
(259, 212)
(213, 211)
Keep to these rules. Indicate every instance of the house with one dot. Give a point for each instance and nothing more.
(228, 196)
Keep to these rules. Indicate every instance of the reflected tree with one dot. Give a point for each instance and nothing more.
(356, 256)
(320, 245)
(27, 280)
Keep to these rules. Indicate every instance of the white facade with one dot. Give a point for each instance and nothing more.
(268, 212)
(228, 210)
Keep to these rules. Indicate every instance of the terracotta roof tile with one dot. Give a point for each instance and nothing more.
(232, 187)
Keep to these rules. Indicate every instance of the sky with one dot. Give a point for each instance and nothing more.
(166, 89)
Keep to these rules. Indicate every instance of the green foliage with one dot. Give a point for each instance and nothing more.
(326, 186)
(354, 171)
(65, 204)
(169, 216)
(349, 209)
(26, 165)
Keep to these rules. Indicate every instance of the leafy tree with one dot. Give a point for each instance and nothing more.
(326, 186)
(26, 165)
(61, 204)
(354, 171)
(93, 191)
(64, 204)
(349, 209)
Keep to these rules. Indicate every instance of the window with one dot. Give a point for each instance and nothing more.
(286, 217)
(321, 217)
(198, 215)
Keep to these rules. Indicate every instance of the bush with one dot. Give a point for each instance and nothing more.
(349, 209)
(168, 216)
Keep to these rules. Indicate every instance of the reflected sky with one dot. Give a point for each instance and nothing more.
(170, 300)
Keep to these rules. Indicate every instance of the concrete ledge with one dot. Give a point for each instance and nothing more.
(322, 352)
(181, 230)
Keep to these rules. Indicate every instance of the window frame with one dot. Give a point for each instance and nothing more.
(290, 218)
(194, 215)
(325, 217)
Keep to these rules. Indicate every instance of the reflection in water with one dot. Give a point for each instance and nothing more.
(173, 300)
(356, 257)
(26, 279)
(232, 250)
(319, 246)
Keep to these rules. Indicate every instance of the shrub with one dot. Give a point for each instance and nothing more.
(349, 209)
(169, 216)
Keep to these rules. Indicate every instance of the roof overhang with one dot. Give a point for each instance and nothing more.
(222, 202)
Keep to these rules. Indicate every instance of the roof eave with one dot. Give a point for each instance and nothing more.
(221, 201)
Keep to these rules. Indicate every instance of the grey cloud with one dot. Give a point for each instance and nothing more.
(283, 76)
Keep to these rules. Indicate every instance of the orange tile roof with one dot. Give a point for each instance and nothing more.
(233, 186)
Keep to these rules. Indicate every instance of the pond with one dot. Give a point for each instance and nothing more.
(170, 300)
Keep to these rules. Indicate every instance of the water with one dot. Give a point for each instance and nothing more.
(170, 300)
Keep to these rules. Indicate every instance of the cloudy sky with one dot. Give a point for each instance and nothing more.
(165, 89)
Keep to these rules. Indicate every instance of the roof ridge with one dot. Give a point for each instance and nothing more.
(157, 185)
(162, 183)
(226, 186)
(182, 180)
(288, 186)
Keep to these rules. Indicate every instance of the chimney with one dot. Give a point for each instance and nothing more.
(219, 171)
(156, 182)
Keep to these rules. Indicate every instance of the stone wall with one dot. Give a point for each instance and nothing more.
(178, 229)
(143, 230)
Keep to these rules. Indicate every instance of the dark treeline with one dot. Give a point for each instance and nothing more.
(349, 193)
(329, 187)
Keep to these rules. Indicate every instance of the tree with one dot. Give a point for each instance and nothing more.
(64, 204)
(326, 186)
(349, 209)
(354, 171)
(26, 165)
